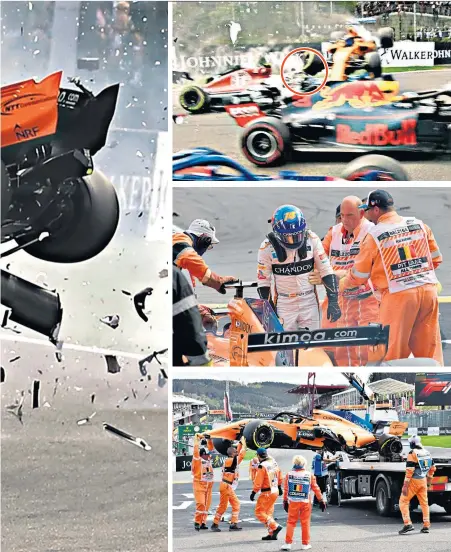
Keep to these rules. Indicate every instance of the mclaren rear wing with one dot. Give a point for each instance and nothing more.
(375, 336)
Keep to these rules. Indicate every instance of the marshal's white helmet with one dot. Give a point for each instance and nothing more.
(200, 227)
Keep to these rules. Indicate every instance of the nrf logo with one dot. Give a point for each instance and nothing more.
(25, 133)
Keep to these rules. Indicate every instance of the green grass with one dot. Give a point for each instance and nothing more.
(249, 454)
(407, 69)
(443, 441)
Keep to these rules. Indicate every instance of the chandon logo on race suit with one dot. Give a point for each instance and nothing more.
(293, 269)
(379, 134)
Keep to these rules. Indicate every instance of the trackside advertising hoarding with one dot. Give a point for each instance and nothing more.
(433, 389)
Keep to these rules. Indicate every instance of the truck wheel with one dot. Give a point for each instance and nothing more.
(267, 142)
(194, 99)
(88, 226)
(258, 434)
(374, 168)
(331, 491)
(383, 500)
(221, 445)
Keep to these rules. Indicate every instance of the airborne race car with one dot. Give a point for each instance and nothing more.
(218, 90)
(55, 205)
(322, 430)
(249, 333)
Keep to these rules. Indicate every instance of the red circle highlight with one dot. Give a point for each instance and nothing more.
(322, 58)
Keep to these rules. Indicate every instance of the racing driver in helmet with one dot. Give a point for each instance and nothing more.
(285, 259)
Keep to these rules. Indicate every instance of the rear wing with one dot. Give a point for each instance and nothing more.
(374, 334)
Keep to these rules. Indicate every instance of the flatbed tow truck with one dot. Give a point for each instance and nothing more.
(381, 477)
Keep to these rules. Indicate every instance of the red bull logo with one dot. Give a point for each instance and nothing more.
(379, 135)
(358, 94)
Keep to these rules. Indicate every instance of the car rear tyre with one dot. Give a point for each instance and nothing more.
(221, 445)
(373, 64)
(387, 37)
(267, 142)
(375, 168)
(312, 64)
(258, 434)
(88, 226)
(194, 99)
(447, 508)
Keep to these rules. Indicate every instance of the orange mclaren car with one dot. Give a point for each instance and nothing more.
(322, 430)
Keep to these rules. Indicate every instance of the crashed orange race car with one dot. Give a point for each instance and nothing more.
(55, 205)
(322, 430)
(247, 332)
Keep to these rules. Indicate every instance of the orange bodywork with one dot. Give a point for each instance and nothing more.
(29, 109)
(343, 54)
(354, 435)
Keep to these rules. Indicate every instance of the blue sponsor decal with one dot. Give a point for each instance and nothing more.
(345, 414)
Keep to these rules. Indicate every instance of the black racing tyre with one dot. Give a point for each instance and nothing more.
(447, 508)
(331, 491)
(221, 445)
(194, 99)
(89, 226)
(373, 64)
(267, 142)
(258, 434)
(312, 64)
(388, 169)
(384, 505)
(387, 37)
(6, 191)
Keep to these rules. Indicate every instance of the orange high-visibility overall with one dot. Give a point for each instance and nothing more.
(297, 489)
(202, 472)
(358, 306)
(400, 256)
(267, 481)
(419, 472)
(230, 478)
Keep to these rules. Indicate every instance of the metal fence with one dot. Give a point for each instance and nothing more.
(428, 418)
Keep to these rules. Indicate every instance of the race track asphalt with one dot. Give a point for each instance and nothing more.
(240, 215)
(354, 527)
(220, 132)
(77, 488)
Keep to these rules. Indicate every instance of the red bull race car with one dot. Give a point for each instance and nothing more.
(216, 92)
(55, 205)
(358, 115)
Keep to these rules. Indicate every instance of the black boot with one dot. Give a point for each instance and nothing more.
(269, 537)
(235, 527)
(425, 529)
(215, 528)
(203, 526)
(197, 526)
(406, 529)
(276, 532)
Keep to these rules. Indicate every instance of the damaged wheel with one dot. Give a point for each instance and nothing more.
(374, 168)
(88, 226)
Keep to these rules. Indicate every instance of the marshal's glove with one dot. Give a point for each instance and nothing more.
(285, 506)
(333, 309)
(218, 282)
(280, 491)
(252, 497)
(323, 506)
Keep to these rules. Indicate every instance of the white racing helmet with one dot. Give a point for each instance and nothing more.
(200, 227)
